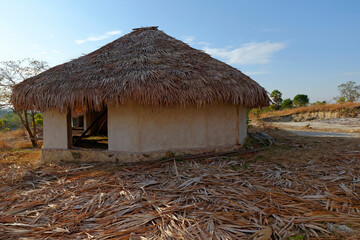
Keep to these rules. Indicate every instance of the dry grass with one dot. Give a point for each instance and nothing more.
(299, 187)
(22, 144)
(13, 134)
(146, 67)
(312, 108)
(14, 139)
(4, 144)
(17, 133)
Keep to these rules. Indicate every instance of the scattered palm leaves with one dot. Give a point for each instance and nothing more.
(296, 189)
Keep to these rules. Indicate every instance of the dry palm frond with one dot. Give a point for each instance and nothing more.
(315, 195)
(147, 67)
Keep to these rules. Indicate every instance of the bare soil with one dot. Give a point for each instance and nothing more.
(344, 125)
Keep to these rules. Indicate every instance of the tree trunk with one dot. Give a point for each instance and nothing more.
(27, 127)
(34, 125)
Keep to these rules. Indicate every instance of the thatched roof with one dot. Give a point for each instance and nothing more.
(145, 66)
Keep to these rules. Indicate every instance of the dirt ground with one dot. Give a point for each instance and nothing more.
(344, 125)
(298, 188)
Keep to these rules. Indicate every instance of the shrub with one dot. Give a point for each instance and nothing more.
(287, 103)
(341, 100)
(320, 102)
(273, 107)
(301, 100)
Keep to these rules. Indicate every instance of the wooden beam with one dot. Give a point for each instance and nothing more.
(91, 126)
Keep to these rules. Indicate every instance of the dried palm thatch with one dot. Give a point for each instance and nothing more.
(145, 66)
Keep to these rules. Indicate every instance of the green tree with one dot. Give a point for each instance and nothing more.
(301, 100)
(276, 97)
(13, 72)
(350, 91)
(287, 103)
(340, 100)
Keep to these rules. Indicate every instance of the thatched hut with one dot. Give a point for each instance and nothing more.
(147, 94)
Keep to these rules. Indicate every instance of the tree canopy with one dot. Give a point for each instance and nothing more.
(301, 100)
(13, 72)
(349, 91)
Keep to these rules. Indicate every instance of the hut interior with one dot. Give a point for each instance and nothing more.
(89, 130)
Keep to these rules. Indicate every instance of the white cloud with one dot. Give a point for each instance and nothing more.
(249, 53)
(203, 43)
(56, 51)
(191, 40)
(98, 38)
(111, 33)
(188, 39)
(257, 73)
(352, 73)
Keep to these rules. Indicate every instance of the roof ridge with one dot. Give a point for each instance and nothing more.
(146, 28)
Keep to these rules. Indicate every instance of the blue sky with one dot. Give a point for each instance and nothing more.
(305, 46)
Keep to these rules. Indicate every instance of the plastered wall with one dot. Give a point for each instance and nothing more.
(56, 130)
(135, 128)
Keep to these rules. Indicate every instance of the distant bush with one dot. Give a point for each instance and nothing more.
(341, 100)
(11, 121)
(319, 103)
(301, 100)
(287, 103)
(273, 107)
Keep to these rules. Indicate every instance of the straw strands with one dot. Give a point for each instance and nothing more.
(258, 196)
(146, 67)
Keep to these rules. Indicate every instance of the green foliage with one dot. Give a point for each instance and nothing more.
(301, 100)
(256, 112)
(341, 100)
(4, 111)
(276, 97)
(273, 107)
(320, 103)
(350, 91)
(287, 103)
(297, 237)
(11, 121)
(39, 122)
(38, 116)
(248, 120)
(38, 119)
